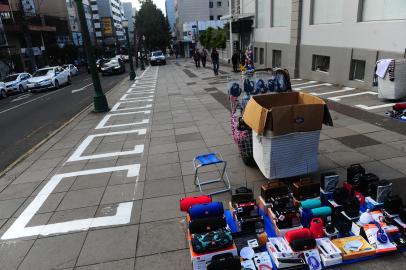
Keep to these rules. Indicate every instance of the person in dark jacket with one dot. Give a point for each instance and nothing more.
(196, 57)
(203, 55)
(215, 60)
(234, 60)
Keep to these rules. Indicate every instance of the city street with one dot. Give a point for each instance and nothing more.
(28, 118)
(103, 193)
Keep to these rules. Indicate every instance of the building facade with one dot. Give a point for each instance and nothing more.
(336, 41)
(129, 15)
(170, 13)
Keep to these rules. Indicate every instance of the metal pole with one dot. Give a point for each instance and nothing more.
(99, 99)
(130, 57)
(142, 55)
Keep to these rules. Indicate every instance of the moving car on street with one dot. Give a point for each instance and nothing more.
(3, 91)
(73, 70)
(16, 83)
(113, 66)
(157, 58)
(100, 62)
(48, 78)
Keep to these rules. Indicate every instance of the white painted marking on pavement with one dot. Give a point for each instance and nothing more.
(103, 122)
(297, 79)
(131, 90)
(310, 86)
(338, 98)
(368, 108)
(123, 215)
(117, 105)
(310, 82)
(127, 97)
(82, 88)
(345, 89)
(21, 97)
(77, 155)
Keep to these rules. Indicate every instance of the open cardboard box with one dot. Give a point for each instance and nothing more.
(286, 113)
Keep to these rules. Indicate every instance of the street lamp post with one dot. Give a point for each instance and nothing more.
(142, 55)
(130, 57)
(99, 99)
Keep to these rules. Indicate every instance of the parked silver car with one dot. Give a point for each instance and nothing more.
(16, 83)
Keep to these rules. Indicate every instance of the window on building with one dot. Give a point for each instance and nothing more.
(357, 70)
(218, 17)
(276, 58)
(261, 14)
(211, 4)
(211, 18)
(380, 10)
(327, 11)
(280, 13)
(261, 56)
(321, 63)
(255, 54)
(218, 3)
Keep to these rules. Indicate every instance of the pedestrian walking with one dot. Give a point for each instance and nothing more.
(204, 57)
(196, 57)
(215, 61)
(234, 60)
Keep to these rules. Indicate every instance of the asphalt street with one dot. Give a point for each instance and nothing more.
(28, 118)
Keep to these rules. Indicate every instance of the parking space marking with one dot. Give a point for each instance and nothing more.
(82, 88)
(21, 97)
(117, 105)
(102, 123)
(306, 83)
(338, 98)
(345, 89)
(127, 97)
(311, 86)
(368, 108)
(132, 90)
(77, 155)
(123, 214)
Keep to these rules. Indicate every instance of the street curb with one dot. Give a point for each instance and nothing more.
(53, 133)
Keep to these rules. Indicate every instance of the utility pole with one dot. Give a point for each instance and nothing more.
(99, 99)
(27, 37)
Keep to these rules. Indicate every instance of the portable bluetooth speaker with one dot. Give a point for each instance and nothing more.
(213, 209)
(316, 227)
(310, 203)
(188, 202)
(354, 172)
(203, 225)
(302, 233)
(321, 211)
(300, 239)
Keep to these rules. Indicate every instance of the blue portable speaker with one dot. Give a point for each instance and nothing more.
(213, 209)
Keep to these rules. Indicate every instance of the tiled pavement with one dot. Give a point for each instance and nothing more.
(188, 117)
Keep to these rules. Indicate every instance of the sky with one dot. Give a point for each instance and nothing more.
(159, 3)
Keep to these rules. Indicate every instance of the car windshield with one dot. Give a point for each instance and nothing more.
(65, 66)
(112, 62)
(42, 72)
(11, 78)
(156, 53)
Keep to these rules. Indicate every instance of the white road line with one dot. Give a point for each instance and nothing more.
(102, 123)
(117, 105)
(82, 88)
(21, 97)
(374, 107)
(345, 89)
(77, 155)
(310, 86)
(338, 98)
(123, 214)
(310, 82)
(126, 97)
(298, 79)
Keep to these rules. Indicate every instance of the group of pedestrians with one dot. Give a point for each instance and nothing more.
(202, 56)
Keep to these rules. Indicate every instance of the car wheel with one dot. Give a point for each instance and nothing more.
(21, 89)
(56, 84)
(3, 94)
(69, 81)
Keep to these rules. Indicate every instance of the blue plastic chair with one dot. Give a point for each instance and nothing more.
(209, 160)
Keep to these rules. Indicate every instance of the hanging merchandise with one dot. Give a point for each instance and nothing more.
(391, 75)
(234, 88)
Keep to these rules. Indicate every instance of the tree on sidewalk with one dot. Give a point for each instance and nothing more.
(151, 22)
(213, 38)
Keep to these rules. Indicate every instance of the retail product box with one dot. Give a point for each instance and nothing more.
(353, 247)
(279, 232)
(371, 231)
(286, 155)
(285, 113)
(330, 255)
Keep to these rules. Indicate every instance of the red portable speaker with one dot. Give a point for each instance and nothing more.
(316, 227)
(303, 233)
(188, 202)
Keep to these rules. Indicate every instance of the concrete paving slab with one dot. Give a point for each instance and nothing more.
(173, 260)
(161, 208)
(126, 264)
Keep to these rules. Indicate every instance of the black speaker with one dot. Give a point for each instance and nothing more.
(380, 190)
(393, 204)
(354, 172)
(364, 181)
(340, 195)
(203, 225)
(225, 261)
(352, 207)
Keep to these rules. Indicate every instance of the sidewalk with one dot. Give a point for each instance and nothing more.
(104, 192)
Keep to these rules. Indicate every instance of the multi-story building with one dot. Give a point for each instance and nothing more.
(74, 22)
(218, 8)
(129, 15)
(170, 13)
(110, 15)
(337, 41)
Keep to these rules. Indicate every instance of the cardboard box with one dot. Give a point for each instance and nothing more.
(286, 113)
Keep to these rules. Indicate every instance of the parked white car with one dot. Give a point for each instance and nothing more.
(72, 69)
(16, 83)
(46, 78)
(3, 90)
(157, 58)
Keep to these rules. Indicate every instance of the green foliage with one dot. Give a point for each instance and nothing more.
(151, 22)
(213, 38)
